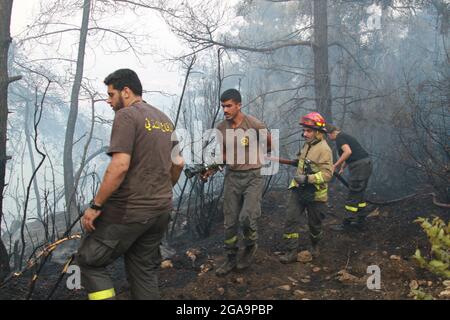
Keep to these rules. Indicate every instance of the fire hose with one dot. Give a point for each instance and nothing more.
(341, 179)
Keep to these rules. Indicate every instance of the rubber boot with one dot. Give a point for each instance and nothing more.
(289, 257)
(350, 224)
(361, 223)
(247, 257)
(227, 266)
(314, 248)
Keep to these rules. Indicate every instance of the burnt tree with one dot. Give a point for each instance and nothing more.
(5, 80)
(322, 86)
(69, 179)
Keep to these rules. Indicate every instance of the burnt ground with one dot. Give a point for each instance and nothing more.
(389, 241)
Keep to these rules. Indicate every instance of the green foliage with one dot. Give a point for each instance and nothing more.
(438, 233)
(420, 295)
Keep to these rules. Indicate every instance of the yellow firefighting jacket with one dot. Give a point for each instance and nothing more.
(319, 153)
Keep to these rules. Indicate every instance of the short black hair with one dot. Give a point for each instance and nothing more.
(122, 78)
(231, 94)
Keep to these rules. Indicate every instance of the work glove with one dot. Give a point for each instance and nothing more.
(301, 179)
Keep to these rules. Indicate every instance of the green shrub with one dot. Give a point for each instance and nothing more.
(438, 233)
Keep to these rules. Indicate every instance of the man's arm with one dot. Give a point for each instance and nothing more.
(347, 152)
(344, 165)
(114, 176)
(176, 169)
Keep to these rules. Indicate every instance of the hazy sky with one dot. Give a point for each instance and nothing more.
(155, 73)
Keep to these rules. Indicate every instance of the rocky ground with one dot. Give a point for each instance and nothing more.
(389, 240)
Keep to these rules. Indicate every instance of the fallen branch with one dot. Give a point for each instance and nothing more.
(44, 253)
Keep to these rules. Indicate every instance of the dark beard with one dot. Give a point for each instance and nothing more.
(120, 105)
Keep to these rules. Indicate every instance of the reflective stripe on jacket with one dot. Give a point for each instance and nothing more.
(322, 167)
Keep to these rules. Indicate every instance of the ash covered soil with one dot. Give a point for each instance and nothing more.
(390, 239)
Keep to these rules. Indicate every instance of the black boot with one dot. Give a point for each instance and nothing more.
(340, 227)
(247, 257)
(362, 215)
(361, 223)
(348, 224)
(289, 256)
(315, 251)
(227, 266)
(314, 248)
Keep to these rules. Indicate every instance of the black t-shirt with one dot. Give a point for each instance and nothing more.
(358, 152)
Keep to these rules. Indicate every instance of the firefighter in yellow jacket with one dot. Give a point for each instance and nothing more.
(309, 188)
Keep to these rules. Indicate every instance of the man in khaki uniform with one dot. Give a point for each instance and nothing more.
(243, 180)
(130, 212)
(309, 188)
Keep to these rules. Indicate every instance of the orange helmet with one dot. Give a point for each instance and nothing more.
(314, 120)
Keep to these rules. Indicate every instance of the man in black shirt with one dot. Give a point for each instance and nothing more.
(353, 155)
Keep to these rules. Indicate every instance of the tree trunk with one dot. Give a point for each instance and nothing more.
(5, 40)
(321, 73)
(69, 182)
(32, 162)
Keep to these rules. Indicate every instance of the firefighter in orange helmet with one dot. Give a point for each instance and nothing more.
(309, 188)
